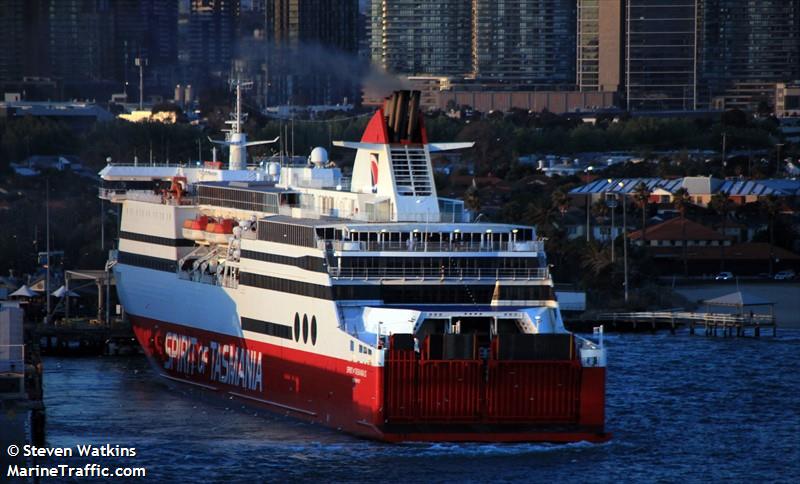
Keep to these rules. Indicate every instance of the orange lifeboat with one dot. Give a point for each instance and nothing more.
(219, 231)
(194, 228)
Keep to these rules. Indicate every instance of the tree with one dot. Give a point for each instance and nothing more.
(472, 198)
(600, 211)
(680, 200)
(641, 194)
(722, 204)
(771, 206)
(596, 259)
(560, 201)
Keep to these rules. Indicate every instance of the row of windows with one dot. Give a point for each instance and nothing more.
(152, 239)
(286, 285)
(441, 262)
(146, 261)
(238, 198)
(403, 294)
(265, 327)
(308, 262)
(462, 294)
(286, 233)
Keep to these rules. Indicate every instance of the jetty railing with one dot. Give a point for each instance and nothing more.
(710, 322)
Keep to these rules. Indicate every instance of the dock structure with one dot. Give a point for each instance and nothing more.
(711, 323)
(742, 314)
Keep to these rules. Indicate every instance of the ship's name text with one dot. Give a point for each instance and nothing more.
(224, 363)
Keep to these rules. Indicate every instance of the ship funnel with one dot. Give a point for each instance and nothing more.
(401, 111)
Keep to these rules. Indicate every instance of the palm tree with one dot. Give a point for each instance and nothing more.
(600, 211)
(771, 205)
(641, 194)
(681, 199)
(596, 259)
(722, 204)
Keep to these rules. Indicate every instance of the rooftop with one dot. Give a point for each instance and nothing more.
(696, 185)
(679, 229)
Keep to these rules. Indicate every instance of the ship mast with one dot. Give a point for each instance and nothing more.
(236, 139)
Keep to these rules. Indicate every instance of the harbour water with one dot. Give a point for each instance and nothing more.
(681, 408)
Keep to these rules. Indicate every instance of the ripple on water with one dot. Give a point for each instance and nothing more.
(679, 407)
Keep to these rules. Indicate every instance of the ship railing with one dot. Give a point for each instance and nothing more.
(422, 246)
(434, 273)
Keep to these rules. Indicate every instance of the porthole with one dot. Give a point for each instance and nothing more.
(305, 328)
(296, 327)
(313, 330)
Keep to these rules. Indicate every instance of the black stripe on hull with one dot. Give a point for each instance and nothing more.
(152, 239)
(147, 262)
(308, 262)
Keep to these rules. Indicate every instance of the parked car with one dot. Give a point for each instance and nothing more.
(784, 275)
(724, 276)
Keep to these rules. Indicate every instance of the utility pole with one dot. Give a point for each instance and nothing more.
(140, 63)
(47, 248)
(724, 149)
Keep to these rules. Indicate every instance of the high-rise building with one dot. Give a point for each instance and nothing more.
(524, 42)
(212, 29)
(422, 37)
(313, 59)
(80, 42)
(146, 29)
(12, 24)
(660, 54)
(600, 45)
(747, 42)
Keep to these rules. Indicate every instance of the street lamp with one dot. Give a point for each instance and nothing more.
(611, 202)
(624, 240)
(141, 62)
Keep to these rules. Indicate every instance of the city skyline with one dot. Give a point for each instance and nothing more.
(651, 54)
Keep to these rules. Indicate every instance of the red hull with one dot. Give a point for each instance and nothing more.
(350, 397)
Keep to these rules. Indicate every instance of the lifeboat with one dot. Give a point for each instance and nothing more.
(194, 228)
(219, 231)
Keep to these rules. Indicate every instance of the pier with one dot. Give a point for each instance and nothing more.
(743, 320)
(710, 323)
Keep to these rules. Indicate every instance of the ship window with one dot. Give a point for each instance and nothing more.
(313, 330)
(352, 346)
(296, 327)
(305, 328)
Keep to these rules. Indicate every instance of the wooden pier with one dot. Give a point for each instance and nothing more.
(711, 323)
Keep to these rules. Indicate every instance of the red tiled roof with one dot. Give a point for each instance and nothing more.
(672, 229)
(743, 251)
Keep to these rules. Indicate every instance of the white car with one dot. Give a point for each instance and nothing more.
(784, 275)
(724, 276)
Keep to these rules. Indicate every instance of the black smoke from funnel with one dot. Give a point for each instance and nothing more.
(315, 68)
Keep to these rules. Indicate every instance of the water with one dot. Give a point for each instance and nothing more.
(681, 408)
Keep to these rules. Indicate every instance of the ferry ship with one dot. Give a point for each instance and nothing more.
(366, 304)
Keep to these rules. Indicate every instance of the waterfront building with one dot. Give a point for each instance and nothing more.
(745, 48)
(145, 29)
(422, 37)
(324, 35)
(524, 43)
(80, 40)
(660, 55)
(600, 44)
(212, 28)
